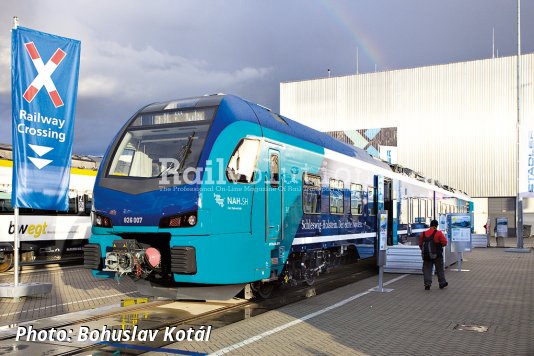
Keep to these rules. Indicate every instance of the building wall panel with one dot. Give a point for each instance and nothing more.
(456, 122)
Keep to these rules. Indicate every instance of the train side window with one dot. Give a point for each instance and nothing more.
(404, 214)
(72, 209)
(242, 163)
(371, 198)
(311, 194)
(356, 199)
(415, 210)
(411, 212)
(5, 206)
(5, 202)
(88, 200)
(73, 205)
(336, 196)
(274, 165)
(395, 205)
(84, 204)
(423, 210)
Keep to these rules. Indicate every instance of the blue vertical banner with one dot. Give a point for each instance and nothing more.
(379, 182)
(526, 159)
(44, 76)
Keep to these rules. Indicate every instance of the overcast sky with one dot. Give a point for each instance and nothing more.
(137, 52)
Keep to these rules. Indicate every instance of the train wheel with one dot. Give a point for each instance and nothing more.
(262, 290)
(308, 272)
(6, 262)
(309, 277)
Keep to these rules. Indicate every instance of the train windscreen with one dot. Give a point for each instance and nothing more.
(161, 143)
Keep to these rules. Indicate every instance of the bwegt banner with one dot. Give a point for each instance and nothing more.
(44, 77)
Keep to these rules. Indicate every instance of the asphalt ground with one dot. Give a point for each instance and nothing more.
(487, 309)
(73, 289)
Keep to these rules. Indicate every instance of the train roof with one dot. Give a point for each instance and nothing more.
(270, 120)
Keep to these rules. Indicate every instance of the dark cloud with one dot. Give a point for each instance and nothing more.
(137, 52)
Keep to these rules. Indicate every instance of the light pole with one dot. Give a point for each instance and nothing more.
(519, 200)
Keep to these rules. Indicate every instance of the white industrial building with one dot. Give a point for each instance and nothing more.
(455, 123)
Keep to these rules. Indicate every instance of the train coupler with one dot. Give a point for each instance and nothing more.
(129, 258)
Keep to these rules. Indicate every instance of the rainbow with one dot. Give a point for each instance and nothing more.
(341, 13)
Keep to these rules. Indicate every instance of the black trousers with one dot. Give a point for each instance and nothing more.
(440, 271)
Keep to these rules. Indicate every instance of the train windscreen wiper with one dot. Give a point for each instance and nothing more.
(169, 167)
(182, 156)
(185, 151)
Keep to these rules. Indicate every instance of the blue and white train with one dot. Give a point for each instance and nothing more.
(196, 198)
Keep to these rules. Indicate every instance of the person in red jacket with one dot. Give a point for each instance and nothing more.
(431, 243)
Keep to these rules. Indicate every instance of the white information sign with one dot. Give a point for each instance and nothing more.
(459, 235)
(461, 228)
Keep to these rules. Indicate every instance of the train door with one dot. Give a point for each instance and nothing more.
(274, 200)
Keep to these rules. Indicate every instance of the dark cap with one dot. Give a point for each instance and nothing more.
(434, 223)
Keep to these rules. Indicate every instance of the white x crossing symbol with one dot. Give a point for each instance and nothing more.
(44, 72)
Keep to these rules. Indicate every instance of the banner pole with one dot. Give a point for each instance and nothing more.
(16, 218)
(518, 203)
(16, 247)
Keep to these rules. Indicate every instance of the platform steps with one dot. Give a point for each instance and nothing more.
(404, 259)
(479, 241)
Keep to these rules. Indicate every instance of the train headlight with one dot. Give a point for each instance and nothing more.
(192, 220)
(180, 220)
(101, 220)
